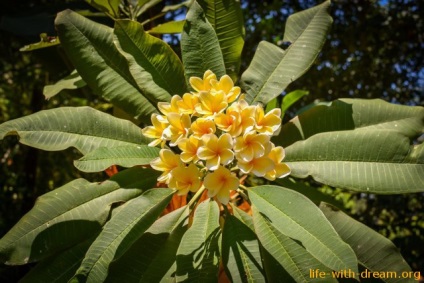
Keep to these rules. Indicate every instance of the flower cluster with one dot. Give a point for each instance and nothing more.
(217, 134)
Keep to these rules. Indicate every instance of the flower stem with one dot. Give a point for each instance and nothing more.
(196, 196)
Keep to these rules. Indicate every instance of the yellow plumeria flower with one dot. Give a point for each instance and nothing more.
(229, 122)
(215, 129)
(220, 183)
(211, 103)
(189, 147)
(179, 126)
(185, 179)
(246, 112)
(169, 107)
(216, 150)
(203, 84)
(202, 126)
(258, 166)
(268, 123)
(280, 170)
(226, 85)
(251, 145)
(187, 104)
(166, 162)
(156, 131)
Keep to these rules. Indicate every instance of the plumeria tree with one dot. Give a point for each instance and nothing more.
(206, 182)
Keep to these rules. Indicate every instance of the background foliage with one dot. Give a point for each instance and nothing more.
(374, 50)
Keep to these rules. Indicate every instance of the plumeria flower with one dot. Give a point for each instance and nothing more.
(211, 103)
(220, 183)
(216, 150)
(252, 145)
(268, 123)
(204, 84)
(226, 85)
(280, 170)
(229, 122)
(187, 104)
(258, 166)
(166, 162)
(156, 131)
(246, 112)
(216, 131)
(169, 107)
(185, 179)
(189, 147)
(179, 126)
(203, 126)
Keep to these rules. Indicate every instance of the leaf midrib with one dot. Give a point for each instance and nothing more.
(275, 237)
(102, 54)
(142, 51)
(303, 229)
(285, 52)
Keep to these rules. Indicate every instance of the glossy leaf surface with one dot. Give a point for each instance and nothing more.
(273, 69)
(84, 128)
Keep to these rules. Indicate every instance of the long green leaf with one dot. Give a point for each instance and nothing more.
(310, 192)
(73, 81)
(60, 268)
(362, 145)
(84, 128)
(90, 47)
(273, 69)
(125, 156)
(295, 216)
(168, 28)
(110, 7)
(374, 252)
(199, 45)
(120, 233)
(291, 98)
(198, 253)
(154, 66)
(241, 252)
(45, 41)
(69, 214)
(226, 17)
(288, 253)
(159, 244)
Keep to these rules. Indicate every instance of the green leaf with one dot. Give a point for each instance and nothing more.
(73, 81)
(241, 252)
(361, 145)
(84, 128)
(155, 67)
(199, 45)
(293, 257)
(146, 5)
(110, 7)
(58, 268)
(295, 216)
(273, 69)
(90, 47)
(271, 105)
(374, 252)
(309, 191)
(291, 98)
(125, 156)
(198, 253)
(168, 28)
(45, 41)
(69, 214)
(226, 17)
(159, 245)
(120, 233)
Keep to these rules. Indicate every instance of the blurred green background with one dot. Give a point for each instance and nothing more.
(374, 50)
